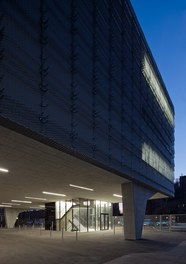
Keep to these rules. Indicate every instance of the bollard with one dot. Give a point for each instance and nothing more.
(40, 231)
(50, 232)
(62, 233)
(76, 235)
(114, 226)
(19, 228)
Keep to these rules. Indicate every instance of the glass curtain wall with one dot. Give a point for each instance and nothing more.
(83, 215)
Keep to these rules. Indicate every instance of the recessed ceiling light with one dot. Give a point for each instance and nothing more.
(35, 198)
(4, 170)
(2, 205)
(11, 203)
(117, 195)
(42, 206)
(18, 201)
(36, 207)
(81, 187)
(56, 194)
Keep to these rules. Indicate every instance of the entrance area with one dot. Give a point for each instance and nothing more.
(82, 215)
(104, 221)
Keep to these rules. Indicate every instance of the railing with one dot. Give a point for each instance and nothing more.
(173, 222)
(74, 227)
(72, 219)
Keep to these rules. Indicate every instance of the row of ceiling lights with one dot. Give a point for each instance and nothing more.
(17, 202)
(3, 170)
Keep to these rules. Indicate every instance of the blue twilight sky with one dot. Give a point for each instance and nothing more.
(164, 25)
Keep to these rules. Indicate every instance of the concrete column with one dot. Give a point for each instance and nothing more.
(11, 215)
(134, 205)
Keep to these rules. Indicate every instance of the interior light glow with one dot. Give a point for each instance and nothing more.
(2, 205)
(42, 206)
(11, 203)
(81, 187)
(86, 203)
(35, 198)
(103, 203)
(157, 89)
(4, 170)
(117, 195)
(56, 194)
(19, 201)
(151, 157)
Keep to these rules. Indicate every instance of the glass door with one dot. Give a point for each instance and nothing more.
(104, 221)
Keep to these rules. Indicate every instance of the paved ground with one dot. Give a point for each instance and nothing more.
(33, 247)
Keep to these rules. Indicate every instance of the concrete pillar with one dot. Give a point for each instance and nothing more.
(11, 215)
(134, 205)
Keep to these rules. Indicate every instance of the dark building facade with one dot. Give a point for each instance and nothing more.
(79, 76)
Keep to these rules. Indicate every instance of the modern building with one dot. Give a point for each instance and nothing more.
(85, 117)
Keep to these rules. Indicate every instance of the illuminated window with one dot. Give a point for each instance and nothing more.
(157, 90)
(158, 163)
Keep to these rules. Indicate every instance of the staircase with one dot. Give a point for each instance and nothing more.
(71, 220)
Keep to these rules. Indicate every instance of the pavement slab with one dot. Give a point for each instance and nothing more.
(102, 247)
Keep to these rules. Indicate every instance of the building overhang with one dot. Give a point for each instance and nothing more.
(35, 167)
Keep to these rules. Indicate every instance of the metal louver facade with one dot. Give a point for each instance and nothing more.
(81, 74)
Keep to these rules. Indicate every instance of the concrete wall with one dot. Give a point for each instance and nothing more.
(134, 203)
(11, 215)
